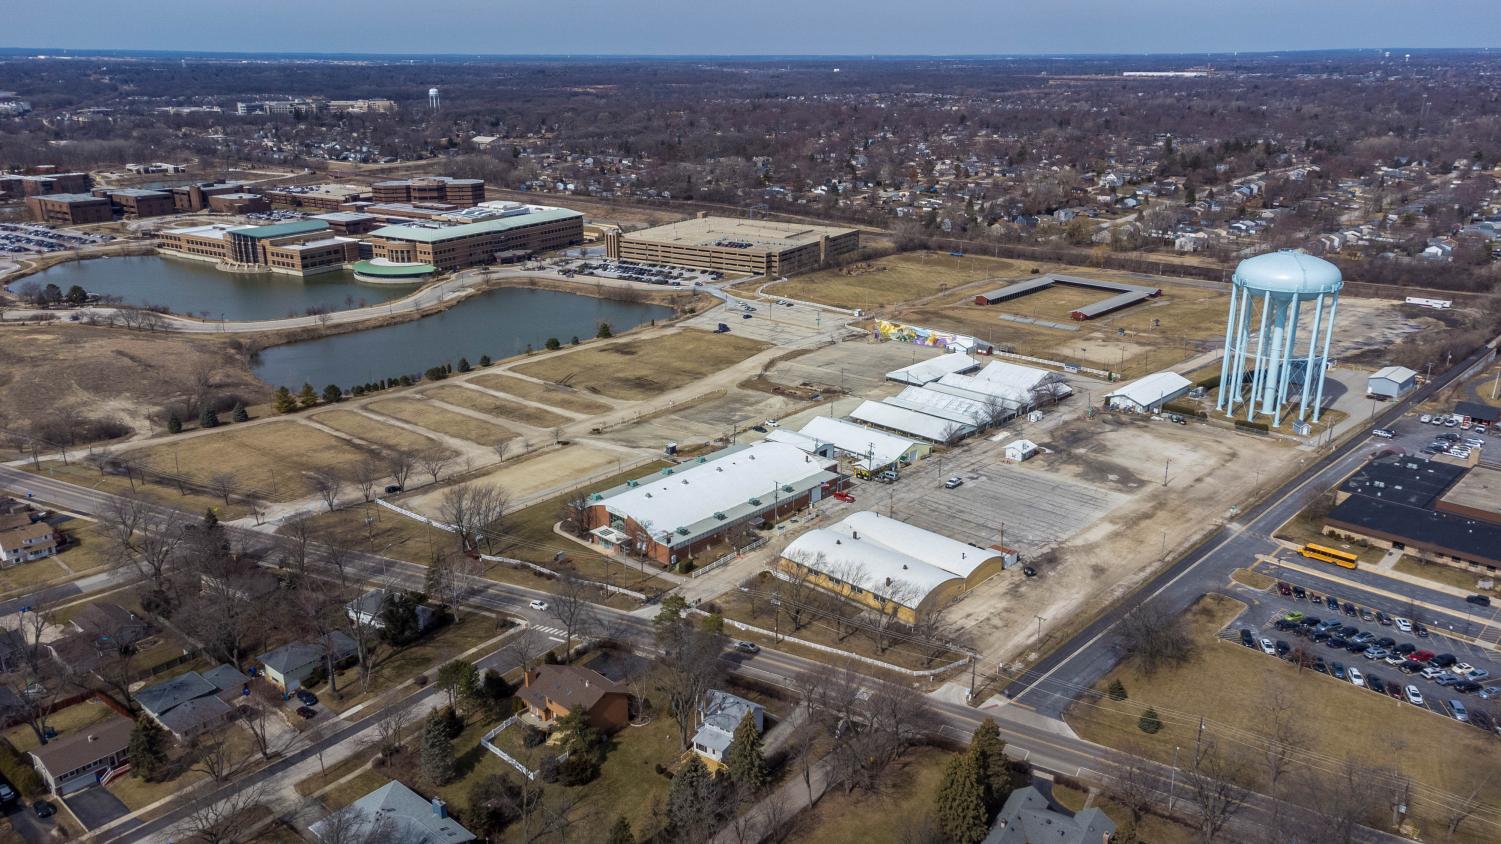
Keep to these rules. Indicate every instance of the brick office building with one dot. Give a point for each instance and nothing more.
(460, 192)
(533, 228)
(70, 209)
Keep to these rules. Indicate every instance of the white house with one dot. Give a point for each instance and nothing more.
(366, 610)
(718, 716)
(1019, 450)
(289, 666)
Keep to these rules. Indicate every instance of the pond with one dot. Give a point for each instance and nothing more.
(194, 288)
(499, 323)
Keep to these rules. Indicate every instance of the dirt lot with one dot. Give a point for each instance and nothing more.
(61, 371)
(441, 420)
(896, 278)
(541, 393)
(271, 458)
(371, 431)
(1335, 720)
(537, 476)
(642, 369)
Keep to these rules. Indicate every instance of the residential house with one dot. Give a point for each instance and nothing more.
(394, 812)
(552, 691)
(190, 703)
(718, 717)
(77, 760)
(111, 623)
(289, 666)
(366, 610)
(28, 542)
(1030, 818)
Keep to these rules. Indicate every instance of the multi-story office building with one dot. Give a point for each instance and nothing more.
(460, 192)
(196, 197)
(238, 203)
(135, 202)
(304, 247)
(16, 184)
(316, 197)
(70, 209)
(530, 228)
(756, 247)
(349, 223)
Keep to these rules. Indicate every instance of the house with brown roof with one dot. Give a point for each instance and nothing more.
(76, 761)
(552, 691)
(28, 542)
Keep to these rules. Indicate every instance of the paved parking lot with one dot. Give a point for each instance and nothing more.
(1266, 608)
(1027, 508)
(770, 322)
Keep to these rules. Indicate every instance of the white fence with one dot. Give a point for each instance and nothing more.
(504, 756)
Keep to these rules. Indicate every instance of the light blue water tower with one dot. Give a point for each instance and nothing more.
(1270, 292)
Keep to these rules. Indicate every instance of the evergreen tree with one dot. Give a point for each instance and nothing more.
(437, 749)
(690, 798)
(991, 764)
(1190, 196)
(207, 418)
(620, 833)
(1117, 690)
(575, 340)
(1149, 722)
(284, 403)
(552, 344)
(306, 397)
(459, 679)
(959, 806)
(332, 394)
(77, 295)
(174, 425)
(484, 360)
(746, 763)
(604, 332)
(464, 365)
(400, 624)
(147, 748)
(239, 414)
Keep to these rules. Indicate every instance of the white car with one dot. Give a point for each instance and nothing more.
(1384, 433)
(1464, 669)
(538, 604)
(1414, 696)
(1355, 676)
(1268, 648)
(1431, 672)
(1403, 624)
(1425, 419)
(1474, 442)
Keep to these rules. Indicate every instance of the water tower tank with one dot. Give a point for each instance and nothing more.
(1267, 296)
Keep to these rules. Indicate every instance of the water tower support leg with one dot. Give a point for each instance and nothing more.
(1226, 367)
(1318, 404)
(1259, 376)
(1308, 368)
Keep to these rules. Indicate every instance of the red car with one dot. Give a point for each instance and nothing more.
(1420, 656)
(845, 497)
(1284, 588)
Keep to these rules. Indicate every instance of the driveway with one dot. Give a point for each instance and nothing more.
(95, 806)
(30, 828)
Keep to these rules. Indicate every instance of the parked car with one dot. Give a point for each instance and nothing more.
(1457, 709)
(1468, 687)
(307, 712)
(392, 489)
(1386, 642)
(1283, 648)
(1364, 637)
(1375, 684)
(953, 483)
(1425, 418)
(1268, 648)
(1350, 609)
(1422, 656)
(307, 697)
(1414, 696)
(1376, 653)
(845, 497)
(1445, 679)
(1405, 625)
(1478, 600)
(1336, 642)
(1338, 670)
(1384, 433)
(1367, 615)
(1332, 602)
(1246, 638)
(1444, 660)
(1383, 619)
(1284, 588)
(7, 794)
(1419, 630)
(1407, 649)
(1356, 677)
(1490, 692)
(1431, 672)
(1296, 616)
(1299, 592)
(1029, 571)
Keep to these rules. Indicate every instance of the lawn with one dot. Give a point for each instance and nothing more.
(387, 533)
(644, 368)
(376, 433)
(1253, 579)
(1336, 718)
(903, 800)
(485, 403)
(165, 493)
(1439, 573)
(1152, 828)
(442, 420)
(65, 721)
(737, 606)
(541, 393)
(394, 667)
(273, 458)
(897, 278)
(335, 772)
(1303, 529)
(353, 789)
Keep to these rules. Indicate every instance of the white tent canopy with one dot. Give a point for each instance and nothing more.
(911, 422)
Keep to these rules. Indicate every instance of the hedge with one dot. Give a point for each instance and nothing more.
(18, 769)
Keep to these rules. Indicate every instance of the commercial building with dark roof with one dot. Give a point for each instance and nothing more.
(137, 202)
(757, 247)
(534, 228)
(70, 209)
(1436, 511)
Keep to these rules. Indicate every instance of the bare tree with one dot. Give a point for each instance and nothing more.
(1154, 637)
(1286, 737)
(223, 484)
(1212, 778)
(471, 509)
(142, 537)
(366, 475)
(1342, 801)
(526, 647)
(350, 825)
(688, 667)
(433, 461)
(329, 485)
(297, 533)
(399, 467)
(390, 729)
(892, 598)
(258, 722)
(500, 449)
(1461, 807)
(222, 820)
(573, 514)
(571, 607)
(1130, 784)
(214, 757)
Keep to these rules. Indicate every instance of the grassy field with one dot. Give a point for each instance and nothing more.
(542, 393)
(643, 369)
(353, 789)
(442, 420)
(85, 553)
(1152, 828)
(273, 458)
(896, 278)
(1437, 573)
(374, 432)
(1229, 686)
(1303, 529)
(165, 494)
(392, 668)
(1253, 579)
(485, 403)
(904, 799)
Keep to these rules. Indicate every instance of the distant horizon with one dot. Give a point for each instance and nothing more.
(666, 29)
(58, 52)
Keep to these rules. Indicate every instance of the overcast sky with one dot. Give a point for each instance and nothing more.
(785, 27)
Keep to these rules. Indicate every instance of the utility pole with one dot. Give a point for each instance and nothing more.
(1172, 783)
(1040, 620)
(1166, 463)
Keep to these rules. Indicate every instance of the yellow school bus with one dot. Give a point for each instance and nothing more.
(1343, 559)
